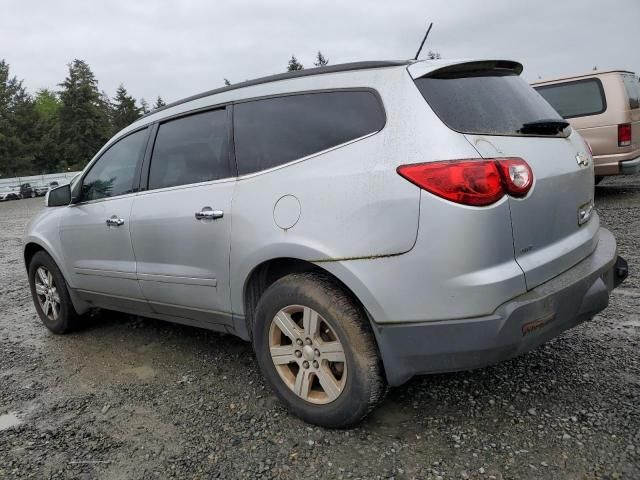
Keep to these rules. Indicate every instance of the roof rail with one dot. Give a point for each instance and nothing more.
(342, 67)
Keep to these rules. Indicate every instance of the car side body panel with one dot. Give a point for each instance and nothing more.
(351, 204)
(43, 231)
(457, 274)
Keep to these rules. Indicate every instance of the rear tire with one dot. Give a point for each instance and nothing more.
(326, 368)
(50, 294)
(598, 179)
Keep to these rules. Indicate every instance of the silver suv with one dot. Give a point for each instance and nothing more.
(359, 224)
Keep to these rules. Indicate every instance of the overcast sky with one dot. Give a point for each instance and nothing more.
(178, 48)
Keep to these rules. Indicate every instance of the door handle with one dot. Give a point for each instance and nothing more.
(114, 221)
(208, 213)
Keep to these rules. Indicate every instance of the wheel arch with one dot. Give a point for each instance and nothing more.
(31, 247)
(269, 271)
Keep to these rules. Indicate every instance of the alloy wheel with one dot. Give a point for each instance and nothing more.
(47, 293)
(307, 354)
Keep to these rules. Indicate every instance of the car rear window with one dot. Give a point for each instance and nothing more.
(579, 98)
(274, 131)
(633, 90)
(493, 102)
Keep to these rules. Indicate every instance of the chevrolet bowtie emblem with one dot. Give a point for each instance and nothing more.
(582, 159)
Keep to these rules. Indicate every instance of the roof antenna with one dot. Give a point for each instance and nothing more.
(423, 40)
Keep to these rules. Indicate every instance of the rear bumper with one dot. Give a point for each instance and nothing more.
(630, 167)
(515, 327)
(618, 164)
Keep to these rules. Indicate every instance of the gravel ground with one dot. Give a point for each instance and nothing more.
(127, 397)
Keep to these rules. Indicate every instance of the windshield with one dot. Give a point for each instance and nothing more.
(490, 102)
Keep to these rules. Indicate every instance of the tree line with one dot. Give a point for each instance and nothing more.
(59, 130)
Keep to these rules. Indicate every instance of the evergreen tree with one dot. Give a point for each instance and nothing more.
(125, 110)
(433, 55)
(17, 117)
(159, 103)
(144, 106)
(294, 64)
(106, 107)
(321, 61)
(84, 120)
(47, 103)
(9, 87)
(47, 150)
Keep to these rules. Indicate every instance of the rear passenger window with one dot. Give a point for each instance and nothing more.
(275, 131)
(190, 150)
(633, 90)
(575, 99)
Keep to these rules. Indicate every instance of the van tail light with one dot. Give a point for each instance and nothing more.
(624, 135)
(475, 182)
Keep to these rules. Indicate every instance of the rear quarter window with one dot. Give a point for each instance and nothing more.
(579, 98)
(274, 131)
(632, 87)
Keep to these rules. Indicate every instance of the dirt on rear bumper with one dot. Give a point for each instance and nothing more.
(515, 327)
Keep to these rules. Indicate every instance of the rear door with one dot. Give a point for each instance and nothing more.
(181, 223)
(632, 87)
(502, 116)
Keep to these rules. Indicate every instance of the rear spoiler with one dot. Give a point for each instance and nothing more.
(464, 68)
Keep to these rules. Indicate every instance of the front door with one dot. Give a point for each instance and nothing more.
(95, 233)
(181, 225)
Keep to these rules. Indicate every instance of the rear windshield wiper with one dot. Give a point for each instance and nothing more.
(544, 127)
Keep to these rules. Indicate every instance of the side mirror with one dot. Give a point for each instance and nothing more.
(59, 196)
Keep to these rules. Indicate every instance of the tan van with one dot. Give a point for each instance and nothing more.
(605, 108)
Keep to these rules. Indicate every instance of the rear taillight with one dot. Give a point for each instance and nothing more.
(472, 182)
(624, 135)
(517, 176)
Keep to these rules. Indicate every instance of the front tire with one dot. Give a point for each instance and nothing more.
(315, 347)
(50, 294)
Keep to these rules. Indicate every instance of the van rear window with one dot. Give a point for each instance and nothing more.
(633, 90)
(491, 102)
(575, 99)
